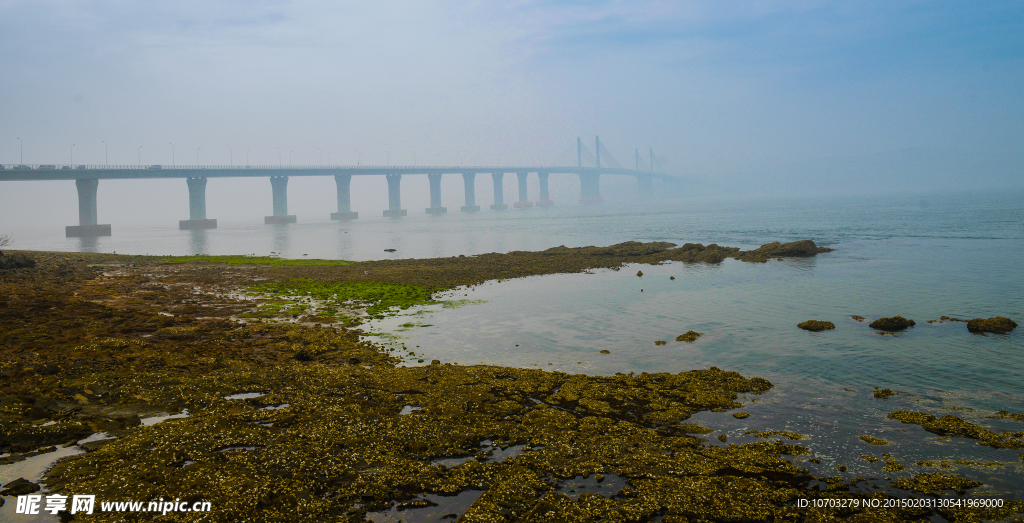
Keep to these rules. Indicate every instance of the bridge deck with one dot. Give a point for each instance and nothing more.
(13, 172)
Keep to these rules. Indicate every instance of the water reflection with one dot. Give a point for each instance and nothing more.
(88, 244)
(282, 239)
(198, 242)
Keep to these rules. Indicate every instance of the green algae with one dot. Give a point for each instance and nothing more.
(378, 298)
(816, 325)
(660, 342)
(241, 260)
(741, 415)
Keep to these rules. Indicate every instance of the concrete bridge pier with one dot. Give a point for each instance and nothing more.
(469, 180)
(545, 200)
(435, 195)
(590, 188)
(395, 197)
(87, 226)
(645, 186)
(279, 184)
(196, 207)
(499, 192)
(524, 201)
(344, 183)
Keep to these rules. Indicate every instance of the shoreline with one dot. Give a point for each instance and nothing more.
(105, 357)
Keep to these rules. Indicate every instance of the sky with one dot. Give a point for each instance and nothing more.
(735, 96)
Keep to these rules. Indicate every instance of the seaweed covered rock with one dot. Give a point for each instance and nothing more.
(958, 427)
(892, 324)
(798, 249)
(816, 325)
(884, 393)
(998, 325)
(690, 336)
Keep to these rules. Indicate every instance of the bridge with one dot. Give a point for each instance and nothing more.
(87, 179)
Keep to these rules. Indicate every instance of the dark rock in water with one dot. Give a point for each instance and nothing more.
(858, 318)
(660, 342)
(893, 324)
(998, 324)
(816, 325)
(671, 277)
(19, 487)
(390, 250)
(639, 273)
(690, 336)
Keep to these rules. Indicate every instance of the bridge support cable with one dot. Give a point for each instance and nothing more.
(196, 207)
(524, 199)
(344, 183)
(606, 157)
(395, 209)
(435, 195)
(87, 226)
(499, 192)
(279, 186)
(469, 180)
(545, 199)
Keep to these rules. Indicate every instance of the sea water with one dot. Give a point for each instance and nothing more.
(918, 256)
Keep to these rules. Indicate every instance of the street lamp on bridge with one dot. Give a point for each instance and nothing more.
(106, 157)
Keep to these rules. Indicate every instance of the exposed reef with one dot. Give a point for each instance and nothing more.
(998, 325)
(816, 325)
(689, 336)
(957, 427)
(892, 324)
(335, 428)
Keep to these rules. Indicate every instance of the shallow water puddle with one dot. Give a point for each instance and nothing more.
(608, 486)
(245, 395)
(153, 420)
(427, 508)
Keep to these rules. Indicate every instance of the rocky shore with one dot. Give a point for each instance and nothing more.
(303, 419)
